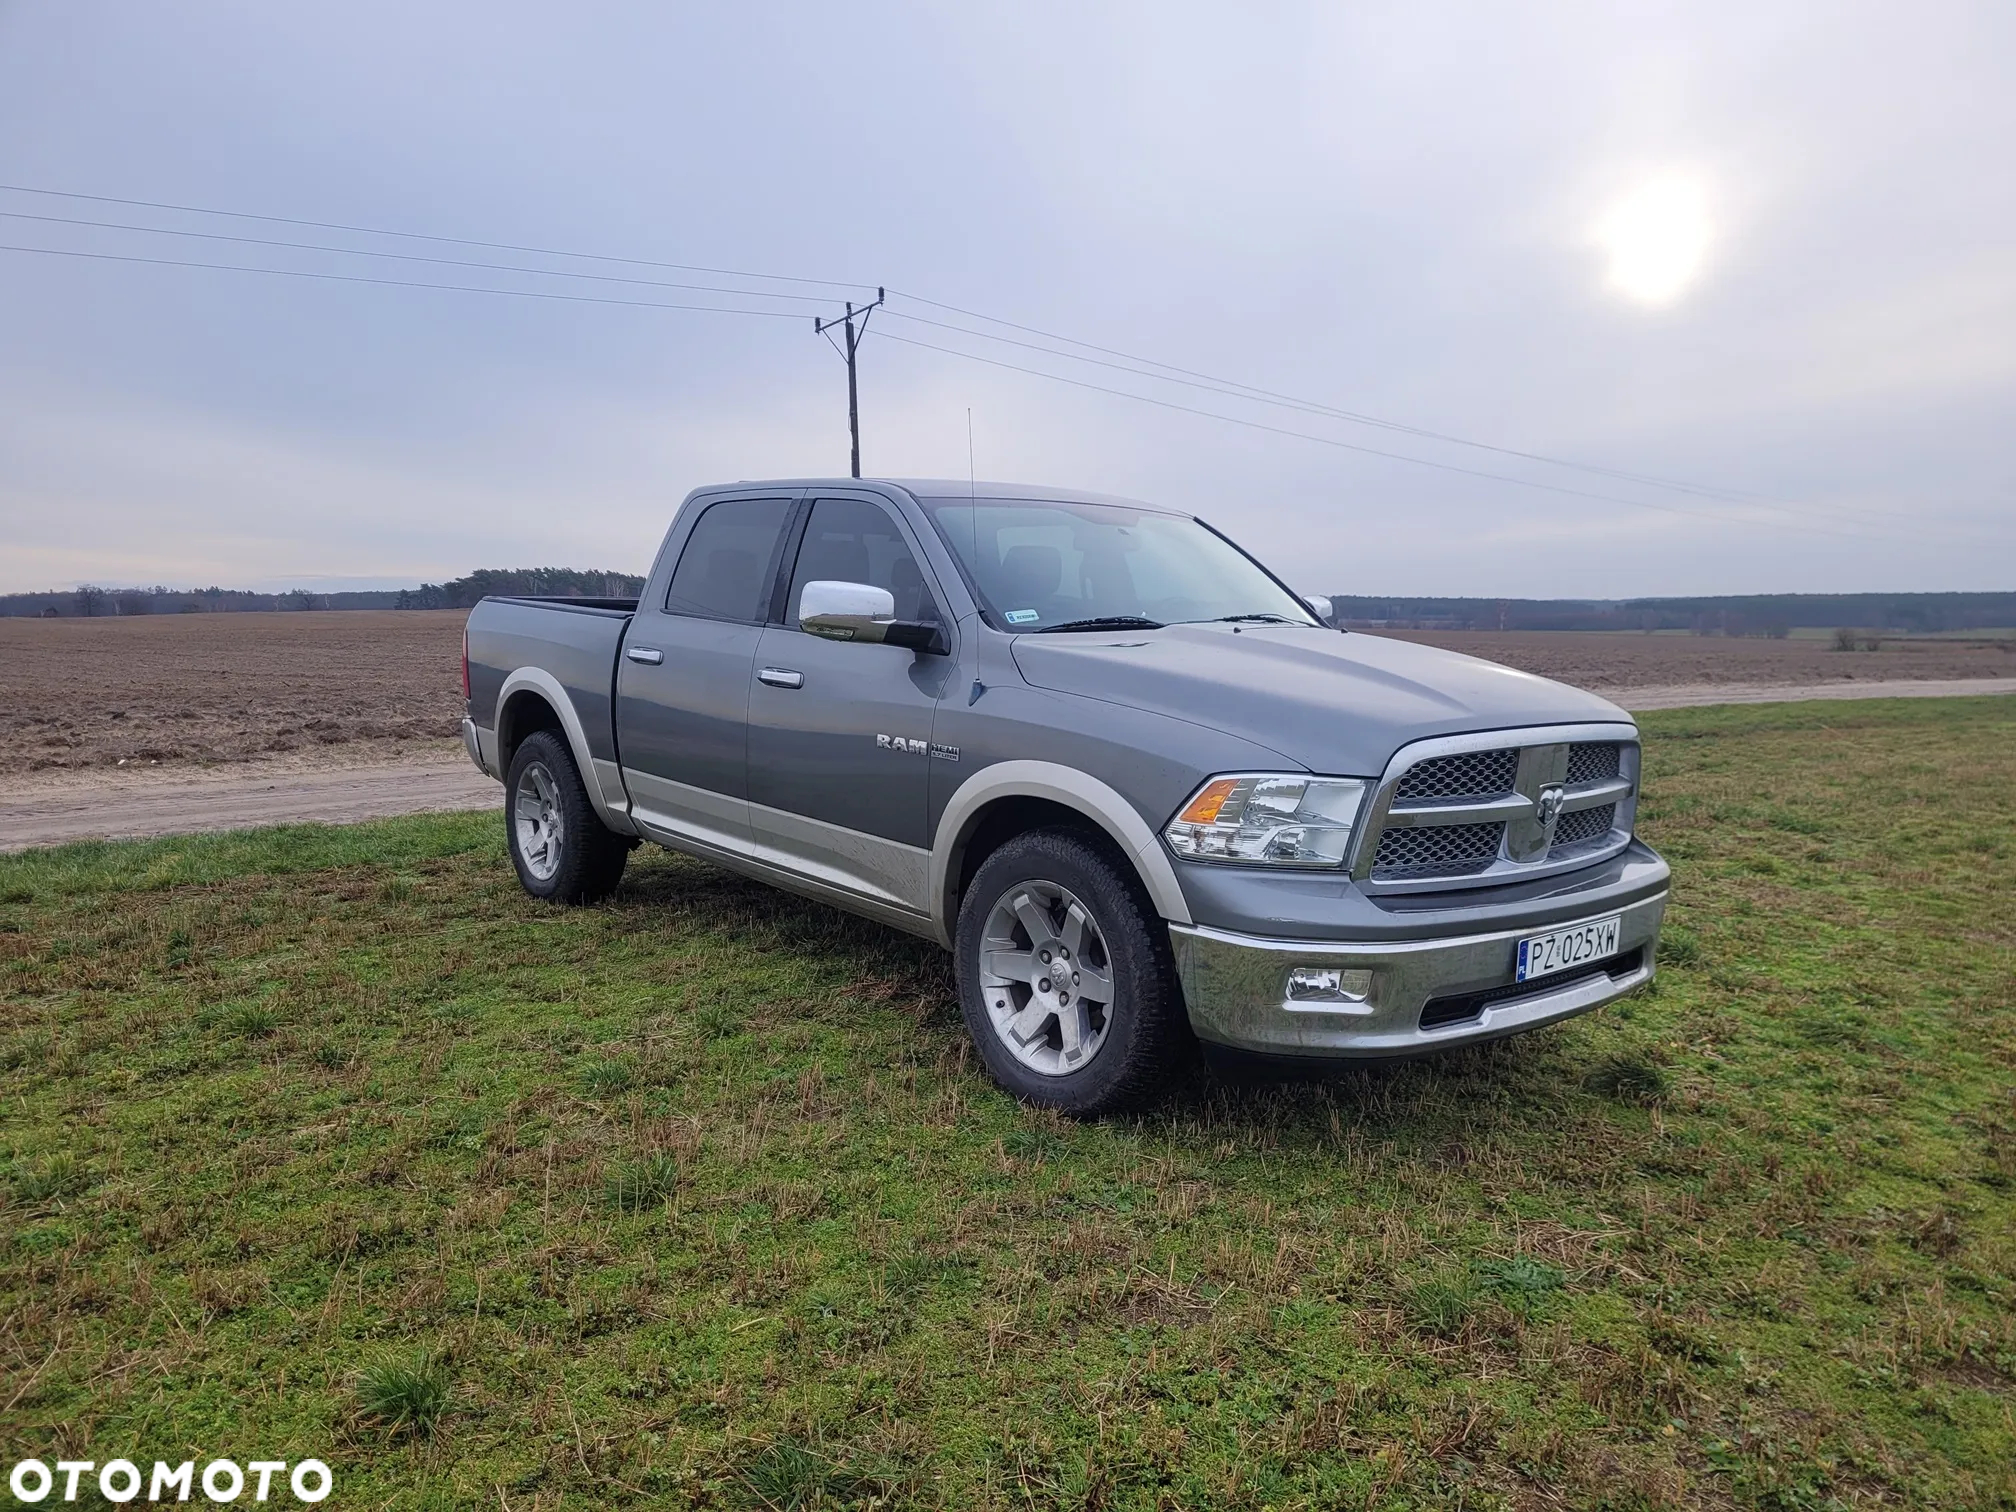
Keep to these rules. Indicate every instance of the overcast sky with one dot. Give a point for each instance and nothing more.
(1769, 249)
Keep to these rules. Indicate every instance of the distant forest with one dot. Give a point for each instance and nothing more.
(91, 600)
(1764, 614)
(1767, 614)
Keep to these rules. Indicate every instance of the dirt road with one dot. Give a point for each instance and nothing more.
(240, 798)
(124, 805)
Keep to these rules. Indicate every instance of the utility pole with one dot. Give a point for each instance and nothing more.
(824, 328)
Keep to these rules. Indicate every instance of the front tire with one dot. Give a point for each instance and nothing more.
(1065, 977)
(560, 848)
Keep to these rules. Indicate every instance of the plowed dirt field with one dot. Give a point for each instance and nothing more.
(343, 688)
(1607, 661)
(227, 687)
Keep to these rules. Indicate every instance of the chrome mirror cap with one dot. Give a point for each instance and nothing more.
(846, 611)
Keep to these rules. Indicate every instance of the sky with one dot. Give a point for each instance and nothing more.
(1760, 254)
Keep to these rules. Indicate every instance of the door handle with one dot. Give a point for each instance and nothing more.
(651, 656)
(781, 677)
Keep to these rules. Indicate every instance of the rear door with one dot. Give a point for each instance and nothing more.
(682, 683)
(839, 731)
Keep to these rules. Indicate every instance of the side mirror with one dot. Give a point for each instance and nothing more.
(846, 611)
(862, 612)
(1320, 606)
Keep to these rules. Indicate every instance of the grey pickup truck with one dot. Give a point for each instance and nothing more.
(1138, 787)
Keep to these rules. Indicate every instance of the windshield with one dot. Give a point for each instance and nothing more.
(1040, 565)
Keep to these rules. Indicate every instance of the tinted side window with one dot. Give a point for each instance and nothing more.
(855, 541)
(725, 568)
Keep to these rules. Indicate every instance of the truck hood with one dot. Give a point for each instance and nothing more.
(1339, 704)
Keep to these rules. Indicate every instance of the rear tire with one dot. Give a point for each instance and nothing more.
(560, 848)
(1066, 979)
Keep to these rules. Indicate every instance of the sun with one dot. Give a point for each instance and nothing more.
(1656, 238)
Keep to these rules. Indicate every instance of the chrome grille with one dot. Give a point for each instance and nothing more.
(1470, 774)
(1450, 815)
(1437, 851)
(1592, 762)
(1582, 826)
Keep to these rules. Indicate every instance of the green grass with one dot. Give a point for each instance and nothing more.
(328, 1142)
(401, 1396)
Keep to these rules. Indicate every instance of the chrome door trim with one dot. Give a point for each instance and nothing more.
(866, 874)
(852, 861)
(789, 878)
(665, 809)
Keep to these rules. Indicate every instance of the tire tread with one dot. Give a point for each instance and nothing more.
(1154, 1042)
(592, 856)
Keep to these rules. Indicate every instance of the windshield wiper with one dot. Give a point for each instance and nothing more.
(1253, 619)
(1102, 622)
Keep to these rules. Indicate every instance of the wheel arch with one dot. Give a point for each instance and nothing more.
(1011, 797)
(533, 699)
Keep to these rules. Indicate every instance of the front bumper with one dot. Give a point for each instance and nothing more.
(1236, 987)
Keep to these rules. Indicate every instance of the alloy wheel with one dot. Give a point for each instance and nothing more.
(541, 826)
(1046, 978)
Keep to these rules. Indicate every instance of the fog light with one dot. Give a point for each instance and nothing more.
(1328, 984)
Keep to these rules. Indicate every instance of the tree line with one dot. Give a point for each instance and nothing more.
(1761, 614)
(92, 600)
(489, 582)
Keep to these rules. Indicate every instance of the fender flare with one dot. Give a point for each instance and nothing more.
(1075, 790)
(548, 687)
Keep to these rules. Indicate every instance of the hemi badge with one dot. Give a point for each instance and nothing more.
(945, 752)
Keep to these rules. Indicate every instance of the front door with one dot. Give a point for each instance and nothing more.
(682, 684)
(840, 731)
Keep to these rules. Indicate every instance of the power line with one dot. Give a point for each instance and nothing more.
(403, 283)
(1165, 372)
(853, 334)
(420, 257)
(1233, 389)
(400, 283)
(1277, 430)
(1204, 379)
(850, 354)
(458, 241)
(1250, 391)
(1226, 387)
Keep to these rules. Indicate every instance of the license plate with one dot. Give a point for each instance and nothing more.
(1565, 949)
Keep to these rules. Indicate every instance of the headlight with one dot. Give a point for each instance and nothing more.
(1264, 820)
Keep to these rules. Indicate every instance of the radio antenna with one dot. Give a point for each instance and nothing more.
(972, 492)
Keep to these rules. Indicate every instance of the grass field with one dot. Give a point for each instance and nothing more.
(328, 1142)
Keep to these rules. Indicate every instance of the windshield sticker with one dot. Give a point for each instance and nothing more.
(1022, 616)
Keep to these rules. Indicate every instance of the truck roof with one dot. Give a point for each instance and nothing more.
(957, 488)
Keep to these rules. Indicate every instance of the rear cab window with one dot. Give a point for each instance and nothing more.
(729, 560)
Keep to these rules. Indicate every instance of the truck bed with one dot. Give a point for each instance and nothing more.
(568, 601)
(575, 641)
